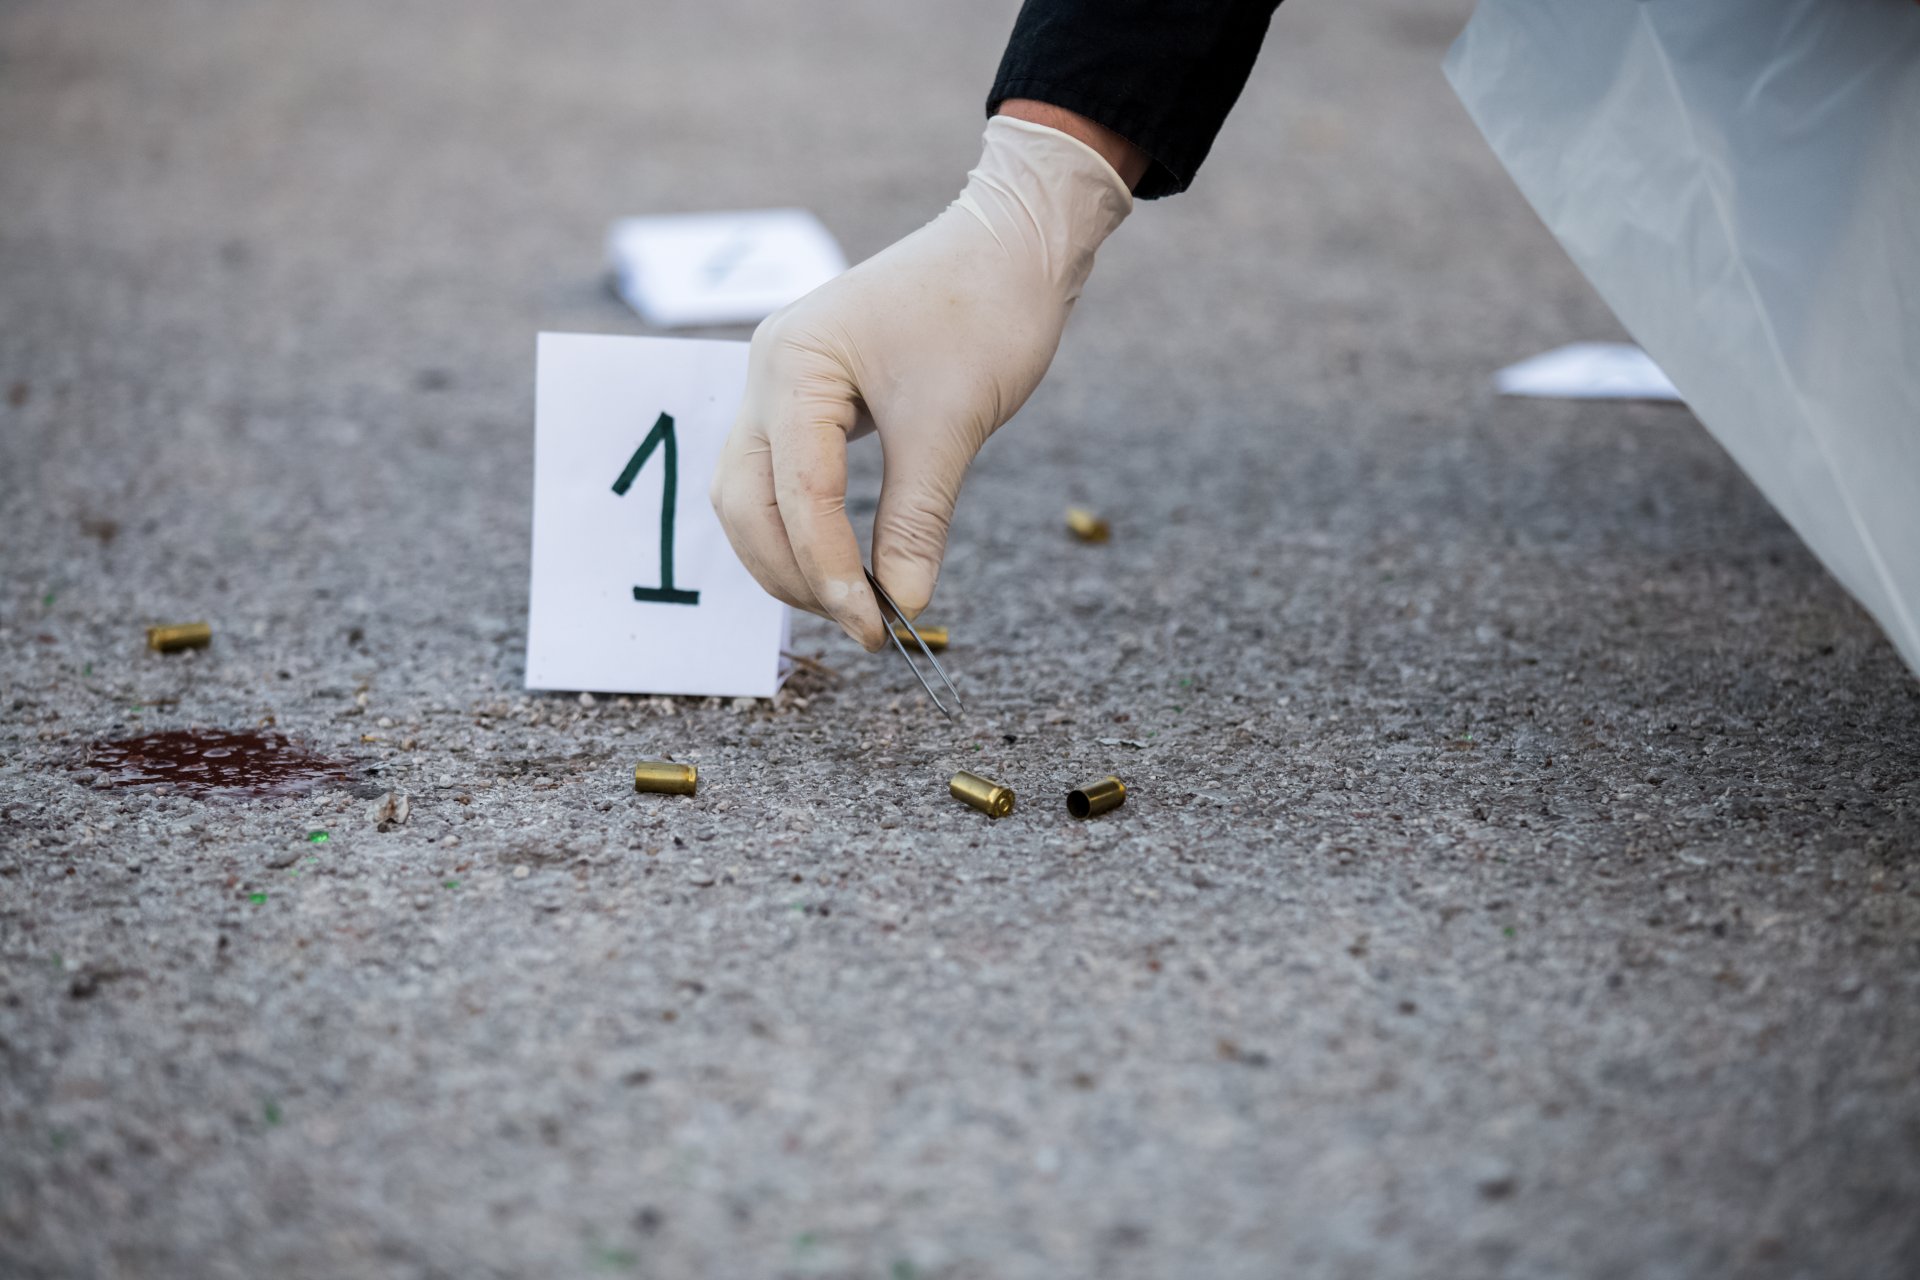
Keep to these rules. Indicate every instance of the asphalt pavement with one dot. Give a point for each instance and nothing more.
(1520, 874)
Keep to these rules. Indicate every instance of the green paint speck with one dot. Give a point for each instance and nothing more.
(270, 1112)
(47, 599)
(450, 884)
(59, 1138)
(903, 1270)
(318, 837)
(1186, 682)
(87, 670)
(256, 898)
(615, 1259)
(1508, 931)
(805, 1242)
(58, 961)
(1178, 709)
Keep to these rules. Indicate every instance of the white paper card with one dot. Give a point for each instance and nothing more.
(720, 268)
(1588, 371)
(635, 587)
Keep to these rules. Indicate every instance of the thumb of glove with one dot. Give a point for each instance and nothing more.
(918, 491)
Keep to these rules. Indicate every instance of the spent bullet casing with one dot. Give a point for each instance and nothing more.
(984, 794)
(935, 637)
(1097, 797)
(185, 635)
(1086, 526)
(665, 777)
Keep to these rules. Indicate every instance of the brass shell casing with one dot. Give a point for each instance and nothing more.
(1097, 797)
(936, 637)
(186, 635)
(1086, 526)
(984, 794)
(665, 777)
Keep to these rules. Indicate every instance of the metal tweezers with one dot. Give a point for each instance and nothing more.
(888, 605)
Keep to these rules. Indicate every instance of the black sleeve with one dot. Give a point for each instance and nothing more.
(1160, 73)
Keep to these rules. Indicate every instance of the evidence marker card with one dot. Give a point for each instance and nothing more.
(635, 587)
(686, 269)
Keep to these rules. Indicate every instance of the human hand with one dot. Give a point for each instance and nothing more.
(934, 343)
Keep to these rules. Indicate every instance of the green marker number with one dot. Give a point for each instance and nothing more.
(661, 435)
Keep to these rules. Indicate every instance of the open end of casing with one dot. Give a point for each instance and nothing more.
(1096, 797)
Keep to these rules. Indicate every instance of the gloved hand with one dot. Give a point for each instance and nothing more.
(934, 342)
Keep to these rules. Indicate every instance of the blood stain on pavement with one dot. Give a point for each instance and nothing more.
(224, 763)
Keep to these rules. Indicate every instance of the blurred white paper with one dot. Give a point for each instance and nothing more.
(635, 587)
(1739, 180)
(1588, 371)
(720, 268)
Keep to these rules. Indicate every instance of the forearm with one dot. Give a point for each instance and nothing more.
(1160, 74)
(1129, 161)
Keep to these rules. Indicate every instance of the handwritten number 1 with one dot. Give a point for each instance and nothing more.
(661, 437)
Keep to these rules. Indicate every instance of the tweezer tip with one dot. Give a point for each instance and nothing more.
(913, 631)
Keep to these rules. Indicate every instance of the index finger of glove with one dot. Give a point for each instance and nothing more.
(743, 498)
(810, 484)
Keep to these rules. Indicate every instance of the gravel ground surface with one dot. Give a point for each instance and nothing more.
(1519, 876)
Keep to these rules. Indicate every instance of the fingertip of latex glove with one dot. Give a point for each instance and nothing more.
(908, 578)
(851, 604)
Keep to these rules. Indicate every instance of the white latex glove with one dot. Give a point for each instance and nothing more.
(934, 342)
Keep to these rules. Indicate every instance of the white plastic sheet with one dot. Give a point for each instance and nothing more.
(1740, 179)
(1588, 371)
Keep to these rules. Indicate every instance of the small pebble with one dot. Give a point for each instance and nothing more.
(392, 810)
(522, 872)
(1493, 1178)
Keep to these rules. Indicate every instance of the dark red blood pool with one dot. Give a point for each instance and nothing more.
(233, 763)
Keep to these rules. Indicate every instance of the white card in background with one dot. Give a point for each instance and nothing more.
(720, 268)
(635, 587)
(1588, 371)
